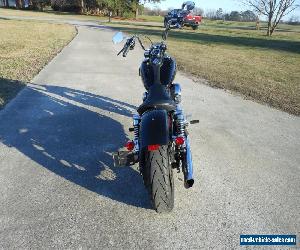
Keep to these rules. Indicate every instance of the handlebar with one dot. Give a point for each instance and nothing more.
(130, 44)
(126, 47)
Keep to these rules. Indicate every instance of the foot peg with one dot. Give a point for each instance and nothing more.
(124, 159)
(194, 122)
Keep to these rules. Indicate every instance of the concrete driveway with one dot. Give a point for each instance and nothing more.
(59, 188)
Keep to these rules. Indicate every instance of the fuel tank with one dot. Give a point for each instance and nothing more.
(167, 72)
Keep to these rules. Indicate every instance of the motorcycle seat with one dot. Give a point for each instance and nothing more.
(157, 98)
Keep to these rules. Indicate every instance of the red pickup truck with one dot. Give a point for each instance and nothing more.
(192, 21)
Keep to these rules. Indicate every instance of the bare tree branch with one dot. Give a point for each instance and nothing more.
(275, 10)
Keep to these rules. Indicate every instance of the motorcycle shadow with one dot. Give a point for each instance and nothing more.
(72, 133)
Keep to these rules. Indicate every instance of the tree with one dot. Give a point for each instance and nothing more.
(235, 16)
(156, 11)
(211, 14)
(137, 3)
(19, 4)
(248, 16)
(219, 14)
(274, 10)
(198, 11)
(259, 16)
(294, 20)
(82, 6)
(37, 4)
(127, 8)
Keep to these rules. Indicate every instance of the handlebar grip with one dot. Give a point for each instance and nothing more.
(126, 50)
(120, 52)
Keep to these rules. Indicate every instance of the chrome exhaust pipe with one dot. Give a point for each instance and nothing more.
(188, 173)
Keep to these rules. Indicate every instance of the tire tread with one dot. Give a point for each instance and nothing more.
(160, 182)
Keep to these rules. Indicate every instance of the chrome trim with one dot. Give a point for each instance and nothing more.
(145, 95)
(189, 175)
(179, 121)
(136, 125)
(176, 89)
(136, 120)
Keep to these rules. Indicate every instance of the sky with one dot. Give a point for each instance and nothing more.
(226, 5)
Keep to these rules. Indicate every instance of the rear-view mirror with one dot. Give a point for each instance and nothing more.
(118, 37)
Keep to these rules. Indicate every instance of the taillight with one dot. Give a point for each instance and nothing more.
(179, 140)
(153, 147)
(130, 145)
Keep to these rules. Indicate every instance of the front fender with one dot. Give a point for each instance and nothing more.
(154, 128)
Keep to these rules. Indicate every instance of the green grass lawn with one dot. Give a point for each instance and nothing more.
(26, 47)
(49, 14)
(159, 19)
(235, 56)
(67, 15)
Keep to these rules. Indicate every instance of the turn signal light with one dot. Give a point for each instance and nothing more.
(153, 147)
(130, 145)
(179, 141)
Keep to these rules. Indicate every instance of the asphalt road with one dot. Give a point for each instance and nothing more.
(59, 188)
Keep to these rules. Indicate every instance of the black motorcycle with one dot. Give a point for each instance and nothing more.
(161, 142)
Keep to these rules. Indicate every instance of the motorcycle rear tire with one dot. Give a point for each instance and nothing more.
(159, 179)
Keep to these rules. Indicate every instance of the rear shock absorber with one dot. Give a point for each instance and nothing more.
(136, 129)
(179, 117)
(178, 136)
(180, 123)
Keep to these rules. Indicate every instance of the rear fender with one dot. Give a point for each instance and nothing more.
(154, 128)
